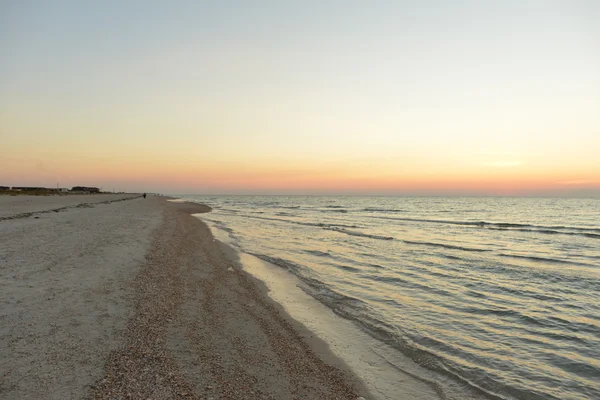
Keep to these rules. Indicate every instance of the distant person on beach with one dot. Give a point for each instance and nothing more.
(144, 195)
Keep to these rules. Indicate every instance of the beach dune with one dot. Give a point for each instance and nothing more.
(135, 299)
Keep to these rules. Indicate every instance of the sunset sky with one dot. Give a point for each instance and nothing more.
(359, 97)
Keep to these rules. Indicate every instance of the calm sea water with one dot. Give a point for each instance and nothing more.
(500, 293)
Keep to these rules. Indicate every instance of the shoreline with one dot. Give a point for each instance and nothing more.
(210, 330)
(173, 317)
(386, 371)
(383, 372)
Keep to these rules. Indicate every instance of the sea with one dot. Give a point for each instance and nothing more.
(500, 294)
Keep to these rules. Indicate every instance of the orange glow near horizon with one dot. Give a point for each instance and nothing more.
(231, 177)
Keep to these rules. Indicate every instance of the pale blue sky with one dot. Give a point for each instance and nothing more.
(392, 86)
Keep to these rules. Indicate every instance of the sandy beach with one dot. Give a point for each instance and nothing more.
(107, 299)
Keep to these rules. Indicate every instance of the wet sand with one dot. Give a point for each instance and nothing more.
(135, 299)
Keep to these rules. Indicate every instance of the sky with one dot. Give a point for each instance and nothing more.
(302, 97)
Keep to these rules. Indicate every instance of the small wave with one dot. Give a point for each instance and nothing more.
(383, 210)
(539, 259)
(268, 203)
(447, 246)
(355, 233)
(280, 262)
(559, 320)
(394, 280)
(338, 302)
(543, 297)
(561, 336)
(546, 231)
(334, 206)
(451, 257)
(569, 230)
(337, 210)
(348, 268)
(322, 225)
(290, 221)
(318, 253)
(477, 294)
(229, 210)
(576, 367)
(221, 226)
(405, 283)
(504, 312)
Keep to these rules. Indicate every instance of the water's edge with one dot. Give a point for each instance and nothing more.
(386, 373)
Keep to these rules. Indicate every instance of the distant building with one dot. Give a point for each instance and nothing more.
(85, 189)
(35, 189)
(29, 189)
